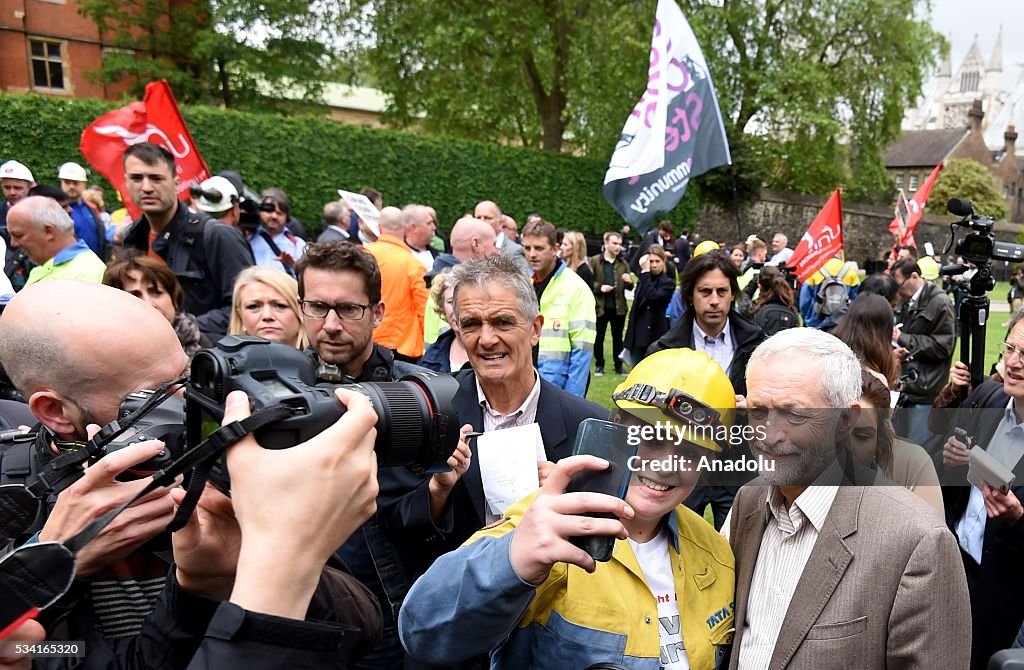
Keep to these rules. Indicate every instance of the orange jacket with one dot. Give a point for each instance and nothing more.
(404, 294)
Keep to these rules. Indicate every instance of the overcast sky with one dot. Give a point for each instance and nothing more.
(961, 20)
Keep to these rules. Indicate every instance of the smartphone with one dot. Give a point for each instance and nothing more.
(609, 441)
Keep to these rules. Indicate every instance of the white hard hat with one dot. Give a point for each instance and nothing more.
(217, 185)
(72, 172)
(15, 170)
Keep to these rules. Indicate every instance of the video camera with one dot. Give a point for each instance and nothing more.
(788, 273)
(980, 245)
(250, 213)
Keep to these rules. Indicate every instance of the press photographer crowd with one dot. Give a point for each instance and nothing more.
(234, 440)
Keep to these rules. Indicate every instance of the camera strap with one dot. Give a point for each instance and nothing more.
(203, 455)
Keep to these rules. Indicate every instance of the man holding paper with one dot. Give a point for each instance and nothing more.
(986, 521)
(499, 320)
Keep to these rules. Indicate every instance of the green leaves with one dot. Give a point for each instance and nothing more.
(968, 179)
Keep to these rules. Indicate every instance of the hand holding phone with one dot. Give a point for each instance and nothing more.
(542, 537)
(608, 441)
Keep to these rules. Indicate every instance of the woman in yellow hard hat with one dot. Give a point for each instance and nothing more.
(535, 600)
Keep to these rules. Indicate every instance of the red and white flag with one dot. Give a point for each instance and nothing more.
(915, 208)
(822, 241)
(155, 119)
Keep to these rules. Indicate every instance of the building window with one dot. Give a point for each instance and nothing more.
(969, 81)
(899, 181)
(913, 183)
(47, 64)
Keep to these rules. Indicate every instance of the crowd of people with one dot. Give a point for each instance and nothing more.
(860, 543)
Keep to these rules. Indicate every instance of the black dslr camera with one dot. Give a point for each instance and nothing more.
(417, 426)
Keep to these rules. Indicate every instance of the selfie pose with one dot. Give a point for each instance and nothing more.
(536, 599)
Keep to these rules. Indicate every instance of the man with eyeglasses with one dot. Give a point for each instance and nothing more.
(986, 520)
(925, 335)
(340, 298)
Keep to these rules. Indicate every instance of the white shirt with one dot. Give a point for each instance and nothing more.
(786, 545)
(1007, 447)
(6, 288)
(424, 257)
(524, 415)
(656, 565)
(285, 241)
(781, 256)
(721, 347)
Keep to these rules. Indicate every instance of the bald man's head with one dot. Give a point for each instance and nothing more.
(75, 350)
(489, 211)
(392, 221)
(472, 239)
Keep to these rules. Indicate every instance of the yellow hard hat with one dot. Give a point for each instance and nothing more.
(929, 268)
(685, 387)
(705, 247)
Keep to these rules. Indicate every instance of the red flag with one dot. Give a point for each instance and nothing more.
(156, 119)
(915, 207)
(822, 241)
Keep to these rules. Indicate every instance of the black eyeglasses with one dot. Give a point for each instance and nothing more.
(346, 311)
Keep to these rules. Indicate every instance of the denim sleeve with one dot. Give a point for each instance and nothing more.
(465, 605)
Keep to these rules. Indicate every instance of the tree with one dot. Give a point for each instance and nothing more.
(813, 90)
(968, 179)
(234, 53)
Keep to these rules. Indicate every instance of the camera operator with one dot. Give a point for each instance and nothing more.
(128, 608)
(925, 344)
(287, 534)
(340, 296)
(218, 197)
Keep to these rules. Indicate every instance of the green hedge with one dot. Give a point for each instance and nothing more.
(310, 158)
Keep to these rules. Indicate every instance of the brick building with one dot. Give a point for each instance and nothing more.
(911, 158)
(48, 47)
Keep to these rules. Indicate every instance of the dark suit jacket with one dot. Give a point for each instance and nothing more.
(883, 587)
(558, 415)
(997, 586)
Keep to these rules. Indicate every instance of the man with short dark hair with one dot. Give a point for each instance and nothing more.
(274, 244)
(611, 280)
(925, 334)
(205, 256)
(566, 344)
(340, 297)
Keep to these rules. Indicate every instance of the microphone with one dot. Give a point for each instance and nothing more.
(960, 207)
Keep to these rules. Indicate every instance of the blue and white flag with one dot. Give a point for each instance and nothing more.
(674, 133)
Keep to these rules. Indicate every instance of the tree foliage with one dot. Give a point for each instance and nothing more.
(233, 53)
(812, 91)
(968, 179)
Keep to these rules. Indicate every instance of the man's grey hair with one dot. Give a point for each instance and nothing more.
(1017, 316)
(840, 369)
(35, 360)
(43, 211)
(497, 271)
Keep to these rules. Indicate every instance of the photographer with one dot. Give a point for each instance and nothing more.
(126, 605)
(925, 344)
(287, 535)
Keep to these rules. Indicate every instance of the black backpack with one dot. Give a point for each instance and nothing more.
(774, 317)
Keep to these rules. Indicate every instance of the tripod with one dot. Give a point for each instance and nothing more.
(973, 317)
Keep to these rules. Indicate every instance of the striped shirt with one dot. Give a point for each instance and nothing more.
(786, 545)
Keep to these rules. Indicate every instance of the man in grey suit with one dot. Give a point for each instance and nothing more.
(489, 211)
(336, 213)
(831, 574)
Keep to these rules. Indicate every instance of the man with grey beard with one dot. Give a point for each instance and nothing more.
(884, 586)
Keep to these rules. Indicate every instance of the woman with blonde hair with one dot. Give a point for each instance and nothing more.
(266, 304)
(573, 250)
(446, 354)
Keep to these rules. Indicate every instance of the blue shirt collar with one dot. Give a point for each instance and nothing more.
(69, 252)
